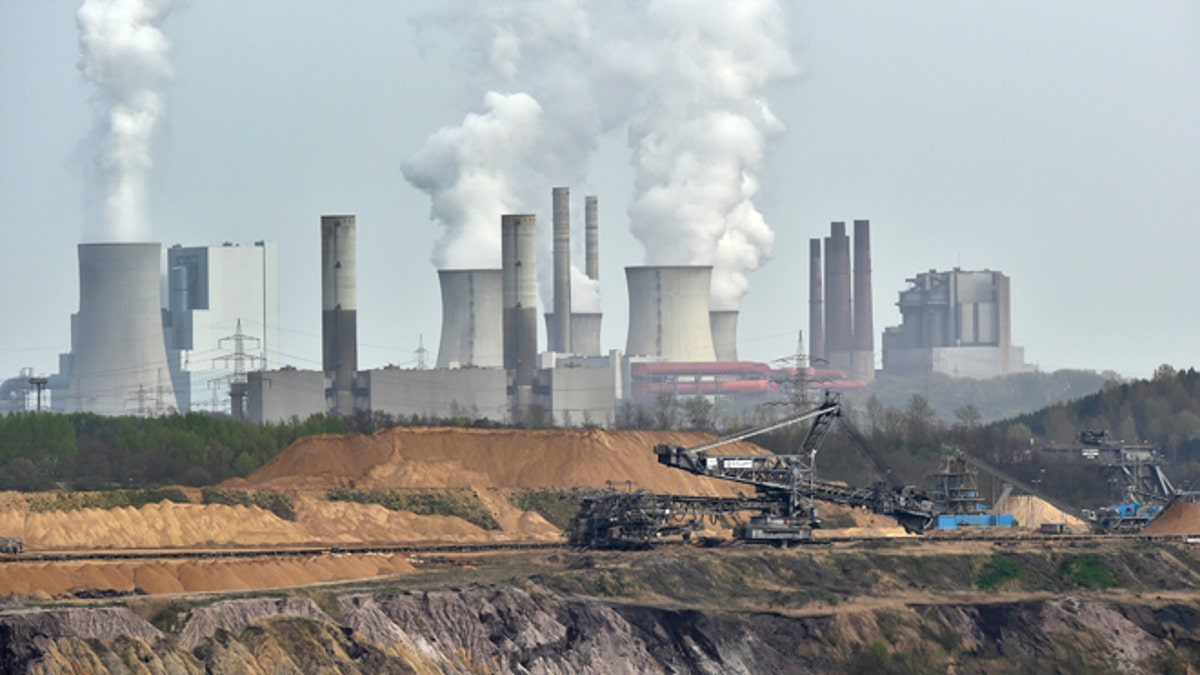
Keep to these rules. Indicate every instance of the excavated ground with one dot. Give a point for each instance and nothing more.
(488, 464)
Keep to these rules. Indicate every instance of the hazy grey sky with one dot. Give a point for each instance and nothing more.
(1058, 142)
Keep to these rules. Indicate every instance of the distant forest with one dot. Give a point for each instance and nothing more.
(40, 451)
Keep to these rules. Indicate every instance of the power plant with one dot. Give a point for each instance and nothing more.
(131, 355)
(957, 322)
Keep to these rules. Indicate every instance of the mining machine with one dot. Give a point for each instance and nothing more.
(784, 504)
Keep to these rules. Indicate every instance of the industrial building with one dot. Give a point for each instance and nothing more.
(956, 322)
(222, 319)
(207, 350)
(841, 327)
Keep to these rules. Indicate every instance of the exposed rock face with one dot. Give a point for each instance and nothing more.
(533, 630)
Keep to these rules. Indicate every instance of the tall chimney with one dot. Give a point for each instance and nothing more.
(839, 326)
(339, 309)
(518, 253)
(816, 308)
(472, 319)
(560, 336)
(591, 241)
(668, 313)
(120, 356)
(864, 332)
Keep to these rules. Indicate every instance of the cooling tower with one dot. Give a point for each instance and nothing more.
(339, 305)
(668, 313)
(816, 307)
(591, 239)
(560, 337)
(862, 364)
(472, 319)
(120, 357)
(724, 334)
(518, 253)
(839, 327)
(585, 333)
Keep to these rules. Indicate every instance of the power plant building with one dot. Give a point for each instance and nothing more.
(223, 316)
(957, 322)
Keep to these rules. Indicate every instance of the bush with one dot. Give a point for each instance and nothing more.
(461, 503)
(557, 507)
(1087, 571)
(997, 571)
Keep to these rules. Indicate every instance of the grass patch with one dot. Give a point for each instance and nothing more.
(281, 504)
(556, 506)
(114, 499)
(996, 571)
(1087, 571)
(462, 503)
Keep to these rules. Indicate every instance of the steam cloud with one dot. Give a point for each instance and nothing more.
(125, 55)
(683, 78)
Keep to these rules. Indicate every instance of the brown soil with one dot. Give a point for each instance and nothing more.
(171, 576)
(1181, 518)
(1032, 512)
(503, 458)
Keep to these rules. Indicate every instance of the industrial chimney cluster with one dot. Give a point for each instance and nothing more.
(841, 331)
(489, 363)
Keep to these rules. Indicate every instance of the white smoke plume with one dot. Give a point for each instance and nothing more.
(684, 78)
(471, 172)
(125, 54)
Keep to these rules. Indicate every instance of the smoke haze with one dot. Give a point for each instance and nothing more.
(684, 80)
(125, 55)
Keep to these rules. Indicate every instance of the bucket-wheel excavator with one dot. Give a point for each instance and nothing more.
(784, 505)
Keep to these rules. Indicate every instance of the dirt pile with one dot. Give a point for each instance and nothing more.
(1180, 518)
(503, 458)
(1032, 512)
(175, 576)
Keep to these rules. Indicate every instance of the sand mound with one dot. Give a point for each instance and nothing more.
(1032, 512)
(503, 458)
(171, 576)
(1180, 518)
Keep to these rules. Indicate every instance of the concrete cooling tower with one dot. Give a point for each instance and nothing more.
(668, 313)
(472, 319)
(120, 365)
(724, 334)
(585, 333)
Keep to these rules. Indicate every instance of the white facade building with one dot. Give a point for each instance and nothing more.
(211, 289)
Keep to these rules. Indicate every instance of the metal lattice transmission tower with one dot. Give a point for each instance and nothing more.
(240, 361)
(421, 353)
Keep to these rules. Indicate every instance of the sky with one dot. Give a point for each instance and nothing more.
(1056, 142)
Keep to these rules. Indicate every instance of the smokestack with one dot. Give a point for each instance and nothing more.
(724, 334)
(518, 252)
(591, 241)
(560, 336)
(472, 319)
(668, 312)
(120, 364)
(839, 329)
(816, 308)
(864, 332)
(339, 308)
